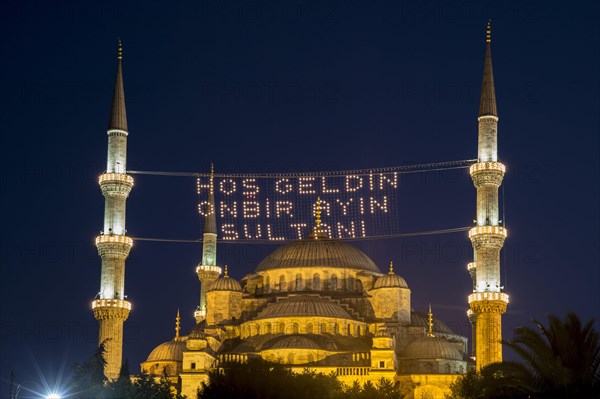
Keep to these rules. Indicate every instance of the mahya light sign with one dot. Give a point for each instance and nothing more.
(280, 208)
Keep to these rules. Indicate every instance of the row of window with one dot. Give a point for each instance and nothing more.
(304, 328)
(315, 284)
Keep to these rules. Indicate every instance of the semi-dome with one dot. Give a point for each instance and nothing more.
(303, 306)
(171, 351)
(320, 253)
(431, 348)
(295, 342)
(226, 283)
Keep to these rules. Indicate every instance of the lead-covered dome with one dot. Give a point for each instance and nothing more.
(225, 283)
(431, 348)
(322, 252)
(390, 280)
(171, 351)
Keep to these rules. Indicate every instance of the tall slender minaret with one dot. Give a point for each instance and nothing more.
(111, 308)
(487, 302)
(207, 270)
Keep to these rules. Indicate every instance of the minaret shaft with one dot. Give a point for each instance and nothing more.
(111, 309)
(207, 270)
(488, 302)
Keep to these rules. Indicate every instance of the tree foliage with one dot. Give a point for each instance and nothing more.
(89, 382)
(263, 380)
(560, 360)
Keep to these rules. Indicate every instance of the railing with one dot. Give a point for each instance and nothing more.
(114, 238)
(499, 230)
(488, 296)
(479, 166)
(111, 303)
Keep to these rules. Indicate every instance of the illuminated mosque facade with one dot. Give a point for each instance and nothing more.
(316, 303)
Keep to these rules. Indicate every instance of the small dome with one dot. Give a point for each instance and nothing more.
(226, 283)
(390, 280)
(318, 253)
(303, 306)
(171, 351)
(431, 348)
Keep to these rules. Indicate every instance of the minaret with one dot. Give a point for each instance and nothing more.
(207, 270)
(487, 302)
(111, 308)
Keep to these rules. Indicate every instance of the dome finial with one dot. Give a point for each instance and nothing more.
(317, 230)
(177, 326)
(391, 267)
(226, 272)
(119, 50)
(430, 323)
(488, 32)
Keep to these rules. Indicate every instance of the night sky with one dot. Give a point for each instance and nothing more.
(291, 86)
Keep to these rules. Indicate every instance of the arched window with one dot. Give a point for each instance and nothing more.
(316, 282)
(309, 328)
(323, 328)
(333, 282)
(295, 328)
(349, 329)
(290, 358)
(281, 283)
(281, 328)
(448, 368)
(267, 285)
(350, 283)
(298, 282)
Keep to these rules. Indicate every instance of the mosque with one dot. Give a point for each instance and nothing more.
(316, 303)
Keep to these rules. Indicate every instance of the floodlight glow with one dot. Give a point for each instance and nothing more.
(53, 396)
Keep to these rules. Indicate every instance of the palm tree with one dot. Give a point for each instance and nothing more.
(561, 360)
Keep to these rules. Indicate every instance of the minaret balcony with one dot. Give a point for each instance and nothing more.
(111, 303)
(206, 271)
(487, 173)
(115, 184)
(113, 245)
(488, 236)
(488, 296)
(471, 266)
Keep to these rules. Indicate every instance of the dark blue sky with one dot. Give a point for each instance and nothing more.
(287, 86)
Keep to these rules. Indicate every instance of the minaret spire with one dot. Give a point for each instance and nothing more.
(487, 302)
(207, 270)
(487, 103)
(111, 308)
(118, 115)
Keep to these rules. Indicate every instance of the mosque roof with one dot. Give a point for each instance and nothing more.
(431, 348)
(226, 283)
(168, 351)
(303, 306)
(321, 252)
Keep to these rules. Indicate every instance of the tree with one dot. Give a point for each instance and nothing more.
(561, 360)
(260, 379)
(89, 380)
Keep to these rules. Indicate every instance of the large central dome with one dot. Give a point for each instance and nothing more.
(318, 253)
